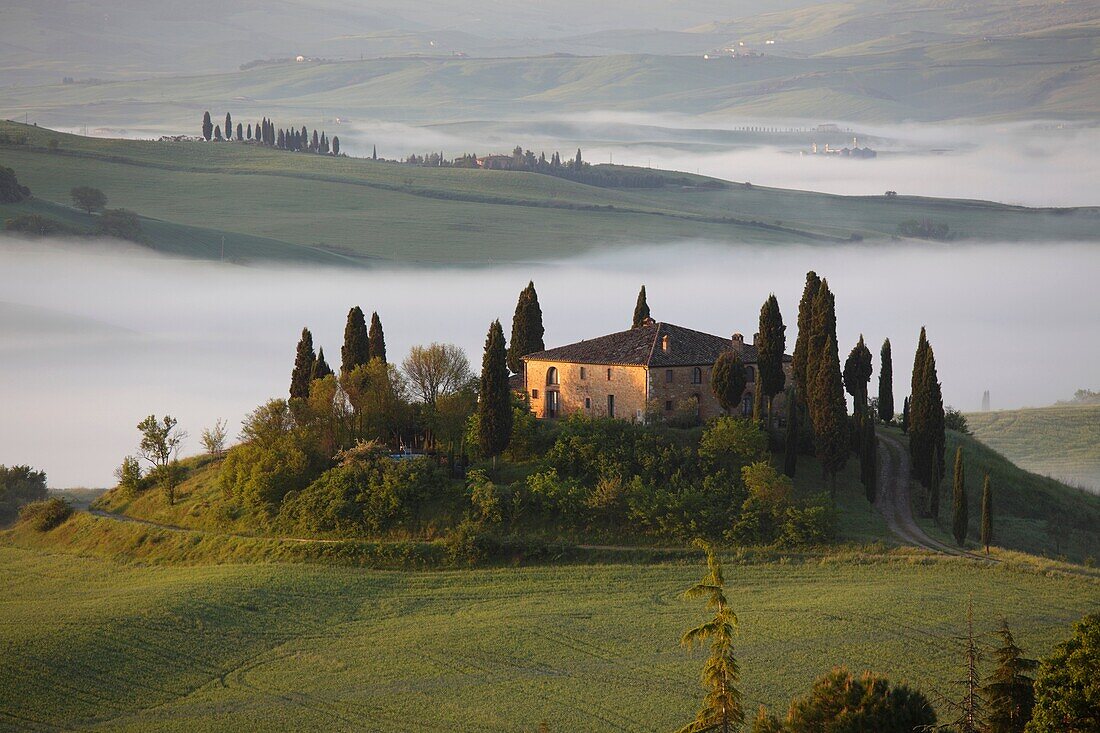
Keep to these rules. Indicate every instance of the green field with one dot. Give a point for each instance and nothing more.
(1062, 441)
(94, 645)
(277, 205)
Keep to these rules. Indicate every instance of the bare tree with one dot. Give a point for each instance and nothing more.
(437, 370)
(213, 439)
(161, 441)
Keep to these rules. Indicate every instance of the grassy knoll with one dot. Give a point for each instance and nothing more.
(1032, 513)
(1062, 441)
(308, 206)
(96, 645)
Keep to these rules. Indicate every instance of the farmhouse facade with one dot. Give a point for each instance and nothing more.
(657, 371)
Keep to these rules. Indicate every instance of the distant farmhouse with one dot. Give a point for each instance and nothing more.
(853, 152)
(653, 372)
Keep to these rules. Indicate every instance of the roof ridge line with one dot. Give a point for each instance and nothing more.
(652, 346)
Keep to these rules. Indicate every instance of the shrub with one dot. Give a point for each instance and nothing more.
(840, 702)
(121, 224)
(18, 486)
(10, 190)
(42, 516)
(1067, 687)
(37, 225)
(261, 474)
(955, 420)
(469, 544)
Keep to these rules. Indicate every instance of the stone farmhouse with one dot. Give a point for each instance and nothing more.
(656, 371)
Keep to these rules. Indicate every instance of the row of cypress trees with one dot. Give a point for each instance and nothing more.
(361, 345)
(265, 133)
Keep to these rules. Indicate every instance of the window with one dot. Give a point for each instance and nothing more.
(696, 376)
(668, 375)
(609, 374)
(746, 405)
(668, 405)
(534, 394)
(588, 403)
(750, 374)
(611, 405)
(552, 405)
(583, 375)
(551, 376)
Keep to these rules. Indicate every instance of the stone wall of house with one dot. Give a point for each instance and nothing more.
(588, 393)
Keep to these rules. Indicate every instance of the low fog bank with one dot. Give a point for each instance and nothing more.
(94, 340)
(1029, 164)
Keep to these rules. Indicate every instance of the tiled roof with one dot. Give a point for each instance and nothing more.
(642, 346)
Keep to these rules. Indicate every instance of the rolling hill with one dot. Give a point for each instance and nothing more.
(1062, 441)
(297, 206)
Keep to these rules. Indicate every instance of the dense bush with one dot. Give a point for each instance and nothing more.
(36, 225)
(11, 192)
(121, 224)
(42, 516)
(1067, 685)
(19, 485)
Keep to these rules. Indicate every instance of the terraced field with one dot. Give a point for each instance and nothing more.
(94, 645)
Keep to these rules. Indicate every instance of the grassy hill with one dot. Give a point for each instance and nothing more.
(348, 207)
(1062, 441)
(99, 645)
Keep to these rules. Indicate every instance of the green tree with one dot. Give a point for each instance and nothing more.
(790, 444)
(987, 513)
(218, 132)
(240, 131)
(1067, 687)
(886, 384)
(926, 415)
(905, 416)
(970, 708)
(11, 192)
(19, 485)
(120, 224)
(335, 144)
(802, 342)
(841, 703)
(728, 379)
(207, 126)
(641, 307)
(771, 342)
(527, 329)
(160, 444)
(868, 460)
(494, 406)
(376, 338)
(960, 512)
(1009, 691)
(304, 361)
(321, 369)
(722, 710)
(356, 349)
(88, 199)
(822, 328)
(830, 414)
(436, 371)
(857, 375)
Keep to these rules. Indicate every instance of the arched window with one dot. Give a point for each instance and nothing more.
(696, 376)
(551, 376)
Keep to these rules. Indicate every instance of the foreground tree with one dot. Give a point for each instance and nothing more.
(376, 338)
(494, 404)
(830, 415)
(436, 371)
(960, 512)
(88, 199)
(987, 514)
(841, 703)
(926, 415)
(304, 361)
(722, 710)
(527, 329)
(356, 349)
(160, 444)
(1009, 690)
(728, 380)
(886, 384)
(1067, 687)
(802, 342)
(771, 342)
(641, 308)
(970, 709)
(857, 375)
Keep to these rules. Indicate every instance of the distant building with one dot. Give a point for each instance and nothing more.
(496, 162)
(653, 372)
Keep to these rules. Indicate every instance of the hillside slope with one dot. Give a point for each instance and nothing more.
(371, 209)
(1062, 441)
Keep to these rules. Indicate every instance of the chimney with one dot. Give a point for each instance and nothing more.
(666, 343)
(738, 340)
(755, 338)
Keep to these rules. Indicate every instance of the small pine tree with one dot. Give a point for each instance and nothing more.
(304, 361)
(376, 338)
(790, 447)
(641, 309)
(1009, 691)
(207, 126)
(886, 384)
(356, 349)
(961, 518)
(228, 126)
(494, 404)
(527, 329)
(728, 380)
(321, 369)
(987, 514)
(217, 132)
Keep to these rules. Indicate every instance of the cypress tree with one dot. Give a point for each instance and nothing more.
(240, 132)
(987, 514)
(868, 460)
(641, 309)
(829, 414)
(207, 126)
(356, 349)
(790, 447)
(249, 132)
(770, 345)
(919, 446)
(304, 361)
(802, 342)
(494, 404)
(281, 140)
(822, 328)
(315, 145)
(527, 328)
(905, 416)
(217, 132)
(335, 144)
(933, 419)
(857, 375)
(757, 401)
(961, 516)
(321, 369)
(1009, 691)
(228, 126)
(374, 153)
(886, 384)
(376, 338)
(935, 489)
(728, 380)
